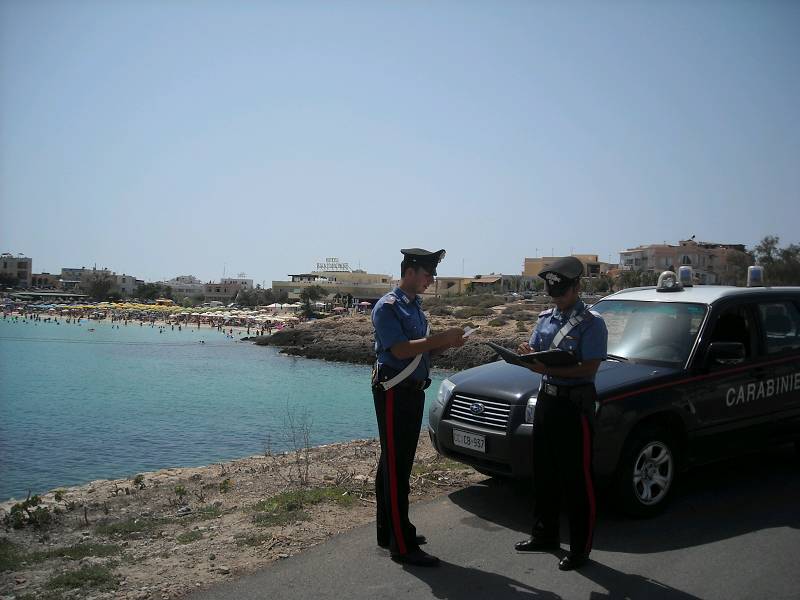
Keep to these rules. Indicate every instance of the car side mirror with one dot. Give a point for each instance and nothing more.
(725, 353)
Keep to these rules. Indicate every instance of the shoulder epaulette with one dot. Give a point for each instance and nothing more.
(545, 313)
(389, 298)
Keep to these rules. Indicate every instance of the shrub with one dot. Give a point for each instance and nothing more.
(96, 576)
(518, 313)
(288, 506)
(466, 313)
(225, 486)
(21, 514)
(498, 322)
(189, 537)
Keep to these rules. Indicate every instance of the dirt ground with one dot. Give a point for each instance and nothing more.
(175, 530)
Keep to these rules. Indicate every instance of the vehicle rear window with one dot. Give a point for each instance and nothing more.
(659, 332)
(780, 322)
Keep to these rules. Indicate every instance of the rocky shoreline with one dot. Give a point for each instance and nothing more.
(163, 534)
(350, 339)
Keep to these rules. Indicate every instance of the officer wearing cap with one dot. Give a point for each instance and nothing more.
(403, 345)
(563, 417)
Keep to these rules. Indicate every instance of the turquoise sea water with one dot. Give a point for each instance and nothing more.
(79, 405)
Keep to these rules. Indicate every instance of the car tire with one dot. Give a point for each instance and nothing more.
(648, 468)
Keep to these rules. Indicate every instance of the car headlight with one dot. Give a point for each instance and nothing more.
(445, 391)
(529, 407)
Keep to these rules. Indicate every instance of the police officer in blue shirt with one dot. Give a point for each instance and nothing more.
(563, 417)
(403, 345)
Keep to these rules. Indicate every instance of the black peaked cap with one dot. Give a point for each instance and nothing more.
(423, 258)
(567, 267)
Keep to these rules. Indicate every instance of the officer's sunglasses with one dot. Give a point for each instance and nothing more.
(558, 291)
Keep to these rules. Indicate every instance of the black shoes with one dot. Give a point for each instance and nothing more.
(536, 545)
(419, 541)
(573, 561)
(418, 558)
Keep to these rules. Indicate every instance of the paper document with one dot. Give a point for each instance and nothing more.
(551, 358)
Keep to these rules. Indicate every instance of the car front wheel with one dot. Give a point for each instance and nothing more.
(646, 474)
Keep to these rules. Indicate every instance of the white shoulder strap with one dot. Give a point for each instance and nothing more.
(410, 368)
(568, 326)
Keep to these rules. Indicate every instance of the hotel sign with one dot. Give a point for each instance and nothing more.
(333, 264)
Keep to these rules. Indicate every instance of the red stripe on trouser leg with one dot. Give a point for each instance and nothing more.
(398, 531)
(587, 473)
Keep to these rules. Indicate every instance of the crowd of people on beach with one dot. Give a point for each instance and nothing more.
(231, 328)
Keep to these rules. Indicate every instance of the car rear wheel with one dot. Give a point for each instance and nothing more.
(646, 474)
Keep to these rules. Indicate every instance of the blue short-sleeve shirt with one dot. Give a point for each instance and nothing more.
(587, 341)
(396, 318)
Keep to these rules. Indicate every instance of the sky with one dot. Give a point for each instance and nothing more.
(171, 137)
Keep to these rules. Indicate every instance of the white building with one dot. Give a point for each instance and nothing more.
(185, 285)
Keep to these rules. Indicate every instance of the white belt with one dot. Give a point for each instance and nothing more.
(410, 368)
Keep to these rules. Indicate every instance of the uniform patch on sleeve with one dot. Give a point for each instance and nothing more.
(390, 300)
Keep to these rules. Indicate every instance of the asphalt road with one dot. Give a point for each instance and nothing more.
(732, 531)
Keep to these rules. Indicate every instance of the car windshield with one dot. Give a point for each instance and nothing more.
(658, 332)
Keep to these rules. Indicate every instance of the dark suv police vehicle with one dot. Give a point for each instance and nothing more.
(693, 374)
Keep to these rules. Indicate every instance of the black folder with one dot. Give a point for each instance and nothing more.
(551, 358)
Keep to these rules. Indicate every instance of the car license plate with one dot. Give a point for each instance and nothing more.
(469, 440)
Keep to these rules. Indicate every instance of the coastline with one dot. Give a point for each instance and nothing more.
(189, 527)
(350, 339)
(186, 528)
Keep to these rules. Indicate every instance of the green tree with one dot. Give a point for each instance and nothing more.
(151, 291)
(767, 251)
(311, 294)
(781, 265)
(737, 268)
(261, 297)
(98, 286)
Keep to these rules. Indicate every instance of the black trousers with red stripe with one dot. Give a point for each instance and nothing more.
(399, 413)
(562, 468)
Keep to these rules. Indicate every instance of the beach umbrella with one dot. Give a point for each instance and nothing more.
(365, 303)
(339, 309)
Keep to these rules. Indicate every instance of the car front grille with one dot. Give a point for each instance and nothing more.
(494, 415)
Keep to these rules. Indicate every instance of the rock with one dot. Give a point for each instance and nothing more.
(91, 561)
(224, 570)
(184, 510)
(212, 557)
(283, 555)
(20, 580)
